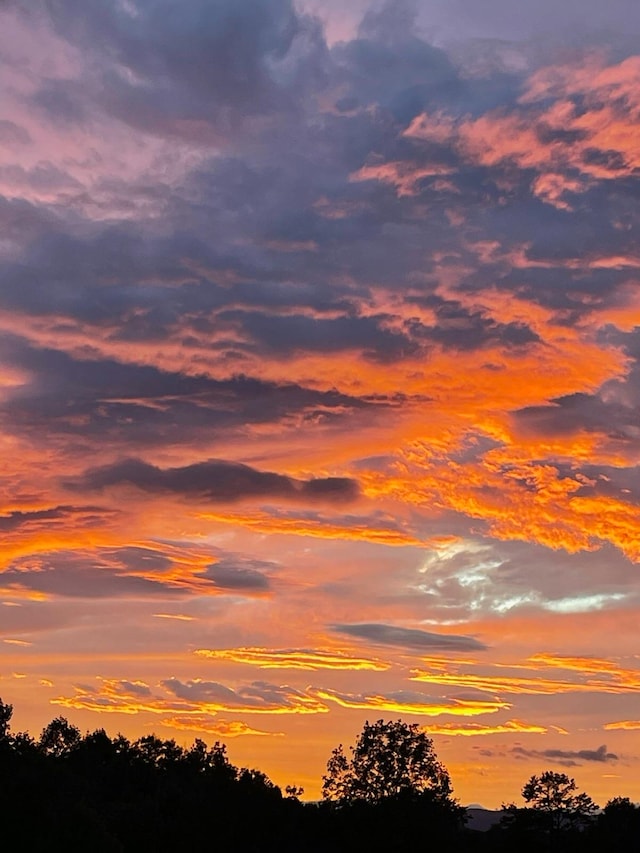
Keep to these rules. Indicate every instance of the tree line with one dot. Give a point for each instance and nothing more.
(388, 792)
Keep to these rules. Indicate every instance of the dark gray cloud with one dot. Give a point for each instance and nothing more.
(211, 63)
(294, 190)
(140, 560)
(85, 574)
(136, 687)
(288, 334)
(409, 638)
(140, 404)
(240, 574)
(577, 412)
(567, 758)
(258, 696)
(458, 328)
(390, 67)
(17, 519)
(216, 481)
(612, 411)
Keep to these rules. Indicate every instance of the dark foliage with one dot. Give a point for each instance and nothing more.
(68, 791)
(390, 759)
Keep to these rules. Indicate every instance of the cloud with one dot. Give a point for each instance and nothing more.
(623, 725)
(239, 574)
(303, 659)
(89, 574)
(218, 728)
(211, 66)
(259, 697)
(408, 638)
(408, 702)
(478, 729)
(114, 696)
(599, 669)
(216, 481)
(568, 758)
(375, 528)
(138, 688)
(180, 617)
(140, 404)
(16, 519)
(190, 699)
(583, 675)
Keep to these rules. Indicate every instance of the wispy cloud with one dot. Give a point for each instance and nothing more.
(568, 758)
(409, 638)
(418, 704)
(304, 659)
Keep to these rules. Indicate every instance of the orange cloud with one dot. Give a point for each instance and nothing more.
(403, 704)
(180, 617)
(515, 496)
(294, 659)
(217, 728)
(623, 725)
(404, 177)
(473, 729)
(263, 522)
(616, 676)
(611, 677)
(503, 684)
(599, 141)
(195, 697)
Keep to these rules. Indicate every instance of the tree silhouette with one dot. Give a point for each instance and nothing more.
(59, 738)
(389, 759)
(6, 712)
(68, 791)
(553, 820)
(618, 825)
(383, 795)
(555, 795)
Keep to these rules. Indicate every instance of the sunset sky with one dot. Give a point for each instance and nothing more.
(320, 378)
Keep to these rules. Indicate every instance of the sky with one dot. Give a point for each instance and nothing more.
(320, 379)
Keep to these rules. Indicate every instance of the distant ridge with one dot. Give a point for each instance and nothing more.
(481, 819)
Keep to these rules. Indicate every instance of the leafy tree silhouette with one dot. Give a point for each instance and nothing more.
(389, 759)
(6, 712)
(556, 796)
(618, 825)
(555, 818)
(59, 738)
(388, 792)
(392, 786)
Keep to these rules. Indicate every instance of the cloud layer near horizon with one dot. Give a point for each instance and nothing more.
(320, 350)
